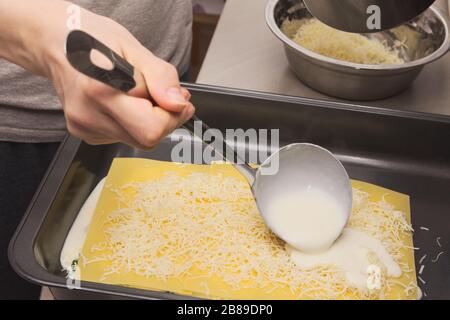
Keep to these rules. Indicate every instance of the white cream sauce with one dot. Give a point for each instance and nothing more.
(350, 253)
(78, 233)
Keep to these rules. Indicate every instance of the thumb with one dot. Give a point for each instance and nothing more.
(160, 80)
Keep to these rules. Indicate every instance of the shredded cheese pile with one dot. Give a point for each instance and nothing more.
(322, 39)
(168, 227)
(381, 221)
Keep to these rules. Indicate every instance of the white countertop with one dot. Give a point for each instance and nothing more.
(244, 54)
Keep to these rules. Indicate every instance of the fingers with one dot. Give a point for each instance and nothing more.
(173, 99)
(100, 114)
(161, 81)
(86, 134)
(140, 91)
(146, 124)
(86, 117)
(187, 95)
(106, 131)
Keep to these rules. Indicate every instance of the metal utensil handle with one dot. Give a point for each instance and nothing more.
(241, 165)
(79, 46)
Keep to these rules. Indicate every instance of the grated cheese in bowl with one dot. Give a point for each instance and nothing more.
(316, 36)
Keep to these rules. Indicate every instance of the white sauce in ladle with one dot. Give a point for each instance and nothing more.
(310, 220)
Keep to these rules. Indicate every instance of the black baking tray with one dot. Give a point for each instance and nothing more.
(404, 151)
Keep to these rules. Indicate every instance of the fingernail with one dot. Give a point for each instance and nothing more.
(187, 95)
(190, 111)
(176, 95)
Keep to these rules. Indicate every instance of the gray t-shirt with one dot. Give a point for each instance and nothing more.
(29, 108)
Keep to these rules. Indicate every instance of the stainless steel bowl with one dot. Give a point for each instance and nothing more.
(426, 38)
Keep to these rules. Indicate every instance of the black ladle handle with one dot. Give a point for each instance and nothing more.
(79, 46)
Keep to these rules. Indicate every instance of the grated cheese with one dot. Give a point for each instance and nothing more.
(422, 267)
(316, 36)
(437, 257)
(210, 222)
(422, 259)
(438, 241)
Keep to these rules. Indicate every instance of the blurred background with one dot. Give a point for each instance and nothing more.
(206, 17)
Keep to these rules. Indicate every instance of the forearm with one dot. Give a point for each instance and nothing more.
(32, 33)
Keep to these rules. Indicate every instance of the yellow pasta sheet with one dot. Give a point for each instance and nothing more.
(197, 282)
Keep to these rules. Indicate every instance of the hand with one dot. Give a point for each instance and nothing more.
(99, 114)
(94, 111)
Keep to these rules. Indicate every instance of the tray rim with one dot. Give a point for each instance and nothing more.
(25, 263)
(321, 103)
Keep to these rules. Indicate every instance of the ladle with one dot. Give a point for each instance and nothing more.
(366, 16)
